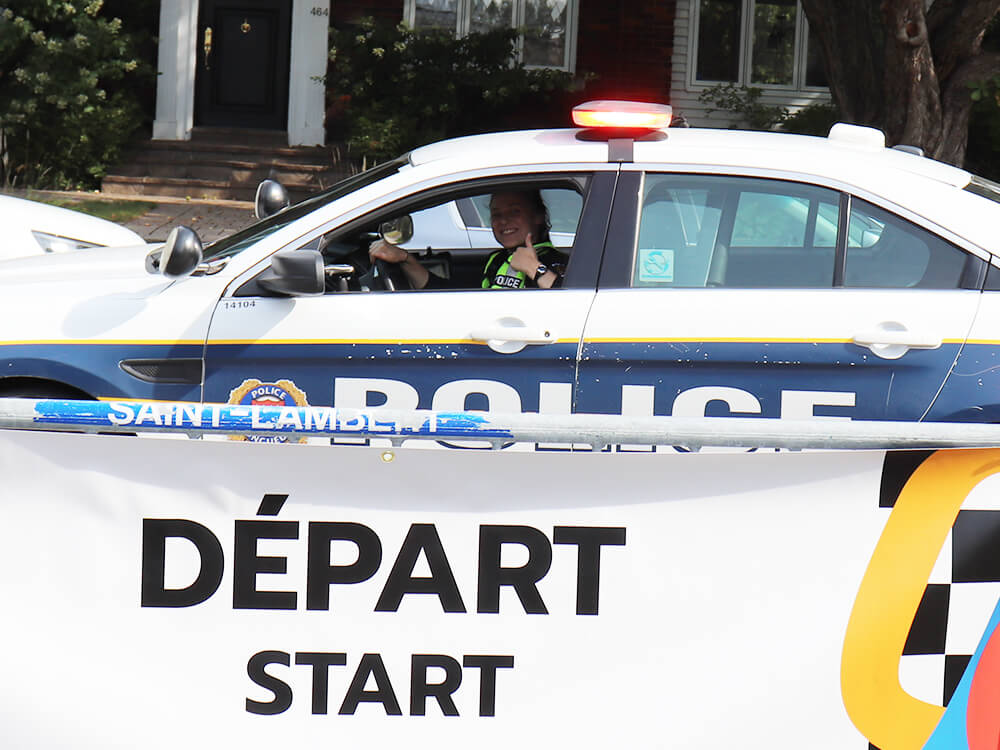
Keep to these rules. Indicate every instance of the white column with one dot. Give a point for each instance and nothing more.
(306, 89)
(176, 60)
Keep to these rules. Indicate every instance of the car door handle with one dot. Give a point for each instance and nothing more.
(510, 335)
(891, 340)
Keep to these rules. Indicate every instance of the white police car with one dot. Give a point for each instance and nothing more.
(711, 272)
(33, 228)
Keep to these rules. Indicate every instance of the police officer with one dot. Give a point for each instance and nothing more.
(528, 259)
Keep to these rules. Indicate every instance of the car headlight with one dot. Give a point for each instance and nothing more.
(53, 243)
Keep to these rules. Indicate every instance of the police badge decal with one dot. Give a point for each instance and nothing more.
(253, 392)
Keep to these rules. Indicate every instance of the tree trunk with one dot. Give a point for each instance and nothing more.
(851, 38)
(906, 68)
(912, 93)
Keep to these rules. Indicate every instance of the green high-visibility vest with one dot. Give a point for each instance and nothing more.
(499, 275)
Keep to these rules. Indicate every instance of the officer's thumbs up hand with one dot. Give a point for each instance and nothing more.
(525, 259)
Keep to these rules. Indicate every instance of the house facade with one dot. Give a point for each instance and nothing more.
(259, 63)
(251, 63)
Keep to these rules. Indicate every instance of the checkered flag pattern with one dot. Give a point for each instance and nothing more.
(960, 596)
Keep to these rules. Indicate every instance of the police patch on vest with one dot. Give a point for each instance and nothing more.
(508, 282)
(253, 392)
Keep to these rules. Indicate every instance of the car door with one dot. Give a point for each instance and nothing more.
(724, 295)
(445, 349)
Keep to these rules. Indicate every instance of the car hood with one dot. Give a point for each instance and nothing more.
(20, 218)
(92, 265)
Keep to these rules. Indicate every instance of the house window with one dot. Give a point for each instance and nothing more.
(764, 43)
(547, 27)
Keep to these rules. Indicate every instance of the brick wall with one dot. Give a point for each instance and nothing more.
(628, 45)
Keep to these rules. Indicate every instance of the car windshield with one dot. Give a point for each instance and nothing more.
(235, 243)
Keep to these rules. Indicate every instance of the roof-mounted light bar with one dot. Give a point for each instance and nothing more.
(610, 113)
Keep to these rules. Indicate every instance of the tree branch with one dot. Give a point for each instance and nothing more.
(855, 79)
(940, 13)
(977, 68)
(957, 31)
(956, 101)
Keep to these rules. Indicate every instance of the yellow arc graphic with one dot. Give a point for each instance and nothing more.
(890, 594)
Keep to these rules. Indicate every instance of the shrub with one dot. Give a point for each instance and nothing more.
(744, 102)
(984, 129)
(391, 89)
(68, 77)
(816, 119)
(982, 154)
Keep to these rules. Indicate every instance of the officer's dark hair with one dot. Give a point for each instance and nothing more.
(537, 203)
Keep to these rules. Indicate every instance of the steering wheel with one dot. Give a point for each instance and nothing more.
(389, 276)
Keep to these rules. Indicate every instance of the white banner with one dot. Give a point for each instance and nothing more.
(177, 593)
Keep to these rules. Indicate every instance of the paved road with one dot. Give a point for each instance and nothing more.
(211, 219)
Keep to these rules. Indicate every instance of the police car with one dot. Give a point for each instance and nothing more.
(711, 273)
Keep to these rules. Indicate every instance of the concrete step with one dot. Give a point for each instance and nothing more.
(256, 158)
(187, 150)
(178, 187)
(224, 163)
(236, 172)
(187, 188)
(247, 136)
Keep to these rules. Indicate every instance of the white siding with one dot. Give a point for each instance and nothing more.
(684, 93)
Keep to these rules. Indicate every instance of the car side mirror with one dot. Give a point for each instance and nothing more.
(179, 256)
(397, 231)
(271, 198)
(294, 273)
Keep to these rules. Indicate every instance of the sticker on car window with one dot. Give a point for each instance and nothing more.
(656, 265)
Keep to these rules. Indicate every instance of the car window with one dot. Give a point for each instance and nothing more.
(717, 231)
(770, 219)
(886, 251)
(452, 236)
(235, 243)
(564, 213)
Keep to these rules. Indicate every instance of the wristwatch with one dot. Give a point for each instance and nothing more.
(542, 268)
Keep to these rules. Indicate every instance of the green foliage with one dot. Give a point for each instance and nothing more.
(120, 211)
(983, 150)
(984, 91)
(744, 102)
(391, 89)
(982, 154)
(816, 119)
(68, 77)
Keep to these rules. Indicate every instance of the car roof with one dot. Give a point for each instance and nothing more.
(703, 146)
(854, 157)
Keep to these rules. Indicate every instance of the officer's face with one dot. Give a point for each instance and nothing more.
(513, 219)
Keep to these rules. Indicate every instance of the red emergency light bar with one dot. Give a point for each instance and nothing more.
(609, 113)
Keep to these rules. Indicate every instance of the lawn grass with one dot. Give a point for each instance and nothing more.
(119, 212)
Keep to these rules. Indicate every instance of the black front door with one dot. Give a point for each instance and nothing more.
(243, 63)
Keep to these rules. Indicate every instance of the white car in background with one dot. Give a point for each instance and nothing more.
(33, 228)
